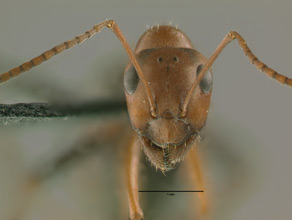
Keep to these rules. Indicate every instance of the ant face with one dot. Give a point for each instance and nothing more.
(170, 73)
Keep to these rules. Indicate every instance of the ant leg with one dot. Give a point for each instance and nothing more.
(253, 59)
(193, 162)
(29, 189)
(132, 168)
(88, 143)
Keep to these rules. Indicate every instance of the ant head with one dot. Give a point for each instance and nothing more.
(170, 73)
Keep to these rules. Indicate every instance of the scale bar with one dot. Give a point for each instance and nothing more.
(171, 190)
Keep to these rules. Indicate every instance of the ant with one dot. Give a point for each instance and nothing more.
(168, 88)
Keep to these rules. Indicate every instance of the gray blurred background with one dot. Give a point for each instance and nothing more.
(250, 117)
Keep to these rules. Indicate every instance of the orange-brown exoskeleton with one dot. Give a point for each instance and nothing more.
(170, 65)
(168, 87)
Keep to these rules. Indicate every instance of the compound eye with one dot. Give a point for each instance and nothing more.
(207, 81)
(131, 80)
